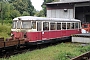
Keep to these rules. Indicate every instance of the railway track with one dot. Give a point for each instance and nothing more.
(85, 56)
(9, 46)
(12, 50)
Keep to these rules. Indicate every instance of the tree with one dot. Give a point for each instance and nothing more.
(40, 13)
(25, 13)
(31, 8)
(13, 8)
(19, 5)
(6, 9)
(15, 13)
(24, 5)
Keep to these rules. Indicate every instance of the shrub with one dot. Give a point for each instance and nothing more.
(5, 30)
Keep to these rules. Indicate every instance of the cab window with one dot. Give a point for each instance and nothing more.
(26, 24)
(14, 24)
(18, 24)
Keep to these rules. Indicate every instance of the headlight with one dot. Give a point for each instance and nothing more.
(12, 34)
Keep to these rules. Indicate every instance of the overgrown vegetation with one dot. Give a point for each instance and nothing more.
(10, 9)
(5, 29)
(63, 51)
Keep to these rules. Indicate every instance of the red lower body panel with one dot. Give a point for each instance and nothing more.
(47, 35)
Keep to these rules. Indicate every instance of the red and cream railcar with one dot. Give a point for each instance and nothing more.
(37, 30)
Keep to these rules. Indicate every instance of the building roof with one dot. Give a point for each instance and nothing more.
(69, 1)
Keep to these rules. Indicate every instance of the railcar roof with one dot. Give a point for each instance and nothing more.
(33, 18)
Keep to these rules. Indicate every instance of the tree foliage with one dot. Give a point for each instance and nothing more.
(40, 13)
(15, 13)
(25, 13)
(10, 9)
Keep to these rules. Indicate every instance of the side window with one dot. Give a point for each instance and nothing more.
(76, 25)
(58, 26)
(52, 26)
(63, 25)
(72, 26)
(45, 26)
(68, 25)
(34, 24)
(39, 25)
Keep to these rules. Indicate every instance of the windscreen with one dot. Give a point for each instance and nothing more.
(14, 24)
(26, 24)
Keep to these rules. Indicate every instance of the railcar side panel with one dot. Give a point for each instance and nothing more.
(64, 32)
(34, 36)
(54, 34)
(45, 35)
(70, 32)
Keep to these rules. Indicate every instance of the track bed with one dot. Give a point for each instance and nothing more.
(85, 56)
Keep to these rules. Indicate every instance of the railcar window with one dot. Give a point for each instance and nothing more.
(26, 24)
(72, 25)
(85, 26)
(52, 26)
(45, 26)
(58, 26)
(76, 25)
(39, 25)
(63, 25)
(18, 24)
(14, 24)
(34, 25)
(68, 25)
(79, 25)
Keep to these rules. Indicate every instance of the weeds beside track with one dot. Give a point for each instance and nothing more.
(59, 51)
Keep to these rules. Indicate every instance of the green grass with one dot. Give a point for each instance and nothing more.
(63, 51)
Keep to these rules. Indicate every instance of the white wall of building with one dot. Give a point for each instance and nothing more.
(60, 13)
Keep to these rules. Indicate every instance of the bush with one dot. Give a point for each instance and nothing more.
(5, 30)
(6, 21)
